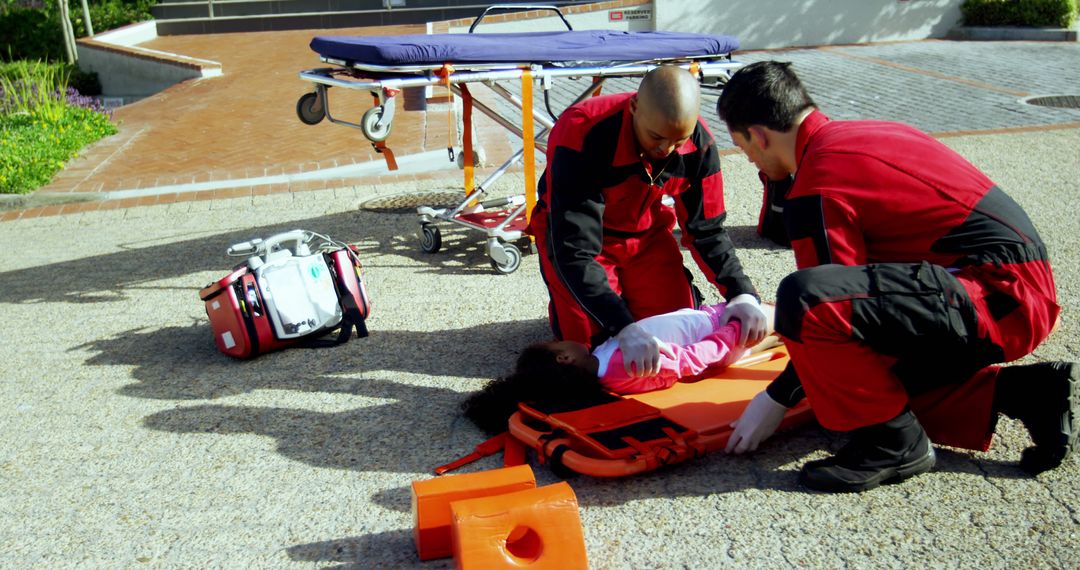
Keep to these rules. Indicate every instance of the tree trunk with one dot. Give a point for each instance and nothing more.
(69, 36)
(86, 19)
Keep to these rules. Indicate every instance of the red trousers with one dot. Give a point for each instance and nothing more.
(867, 341)
(646, 270)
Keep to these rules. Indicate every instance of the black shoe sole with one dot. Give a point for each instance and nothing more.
(1046, 455)
(887, 476)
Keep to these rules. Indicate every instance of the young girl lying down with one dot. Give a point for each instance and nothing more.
(566, 374)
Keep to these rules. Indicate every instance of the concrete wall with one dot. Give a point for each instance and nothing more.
(131, 72)
(782, 23)
(123, 75)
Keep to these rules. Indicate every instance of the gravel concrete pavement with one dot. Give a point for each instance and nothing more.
(129, 442)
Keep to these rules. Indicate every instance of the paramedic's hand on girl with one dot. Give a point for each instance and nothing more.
(756, 424)
(747, 310)
(641, 351)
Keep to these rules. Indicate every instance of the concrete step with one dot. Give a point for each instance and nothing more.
(302, 21)
(183, 9)
(178, 17)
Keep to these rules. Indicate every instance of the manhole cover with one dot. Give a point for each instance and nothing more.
(1057, 101)
(407, 203)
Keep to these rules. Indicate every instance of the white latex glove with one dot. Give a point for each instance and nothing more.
(641, 351)
(756, 424)
(747, 310)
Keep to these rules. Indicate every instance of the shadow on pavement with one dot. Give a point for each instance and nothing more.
(398, 427)
(390, 549)
(110, 277)
(182, 363)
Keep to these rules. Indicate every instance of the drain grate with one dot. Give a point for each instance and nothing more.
(407, 203)
(1056, 101)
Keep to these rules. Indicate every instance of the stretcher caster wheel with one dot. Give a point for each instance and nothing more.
(306, 109)
(370, 125)
(512, 259)
(430, 238)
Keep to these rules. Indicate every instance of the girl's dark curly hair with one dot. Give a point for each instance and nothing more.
(539, 380)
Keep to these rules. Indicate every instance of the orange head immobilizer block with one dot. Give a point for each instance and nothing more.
(536, 529)
(431, 503)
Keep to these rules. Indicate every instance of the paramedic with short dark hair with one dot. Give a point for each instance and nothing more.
(916, 274)
(604, 234)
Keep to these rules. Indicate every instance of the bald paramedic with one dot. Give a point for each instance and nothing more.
(916, 276)
(603, 228)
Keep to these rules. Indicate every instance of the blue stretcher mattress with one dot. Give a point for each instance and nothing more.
(531, 47)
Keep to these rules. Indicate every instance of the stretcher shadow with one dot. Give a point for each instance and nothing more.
(113, 277)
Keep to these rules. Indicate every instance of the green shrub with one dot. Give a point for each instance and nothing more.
(110, 14)
(1035, 13)
(35, 33)
(86, 83)
(42, 125)
(31, 34)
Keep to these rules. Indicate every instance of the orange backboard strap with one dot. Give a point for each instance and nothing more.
(381, 148)
(489, 447)
(444, 73)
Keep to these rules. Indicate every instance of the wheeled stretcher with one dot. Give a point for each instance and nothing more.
(627, 435)
(387, 65)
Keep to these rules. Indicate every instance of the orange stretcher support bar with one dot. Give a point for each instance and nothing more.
(528, 133)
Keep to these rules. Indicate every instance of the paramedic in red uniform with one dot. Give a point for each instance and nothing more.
(916, 274)
(604, 235)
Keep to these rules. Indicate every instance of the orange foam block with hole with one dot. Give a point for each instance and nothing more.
(537, 529)
(431, 501)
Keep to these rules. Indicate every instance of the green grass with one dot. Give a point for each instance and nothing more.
(41, 130)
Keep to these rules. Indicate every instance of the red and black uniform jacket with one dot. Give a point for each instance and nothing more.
(878, 192)
(597, 184)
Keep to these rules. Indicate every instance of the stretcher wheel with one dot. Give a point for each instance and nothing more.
(305, 109)
(430, 238)
(513, 260)
(370, 125)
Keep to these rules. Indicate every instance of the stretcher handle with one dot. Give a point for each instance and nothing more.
(476, 22)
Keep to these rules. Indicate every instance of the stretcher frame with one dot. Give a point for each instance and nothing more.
(502, 220)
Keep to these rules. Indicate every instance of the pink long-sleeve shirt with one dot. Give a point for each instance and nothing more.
(696, 338)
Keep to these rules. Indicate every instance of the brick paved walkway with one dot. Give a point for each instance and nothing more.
(235, 129)
(238, 134)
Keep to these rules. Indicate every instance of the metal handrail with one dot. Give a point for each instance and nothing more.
(522, 7)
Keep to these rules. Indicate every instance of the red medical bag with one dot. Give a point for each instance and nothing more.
(293, 289)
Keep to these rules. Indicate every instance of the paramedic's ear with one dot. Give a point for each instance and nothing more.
(633, 104)
(758, 136)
